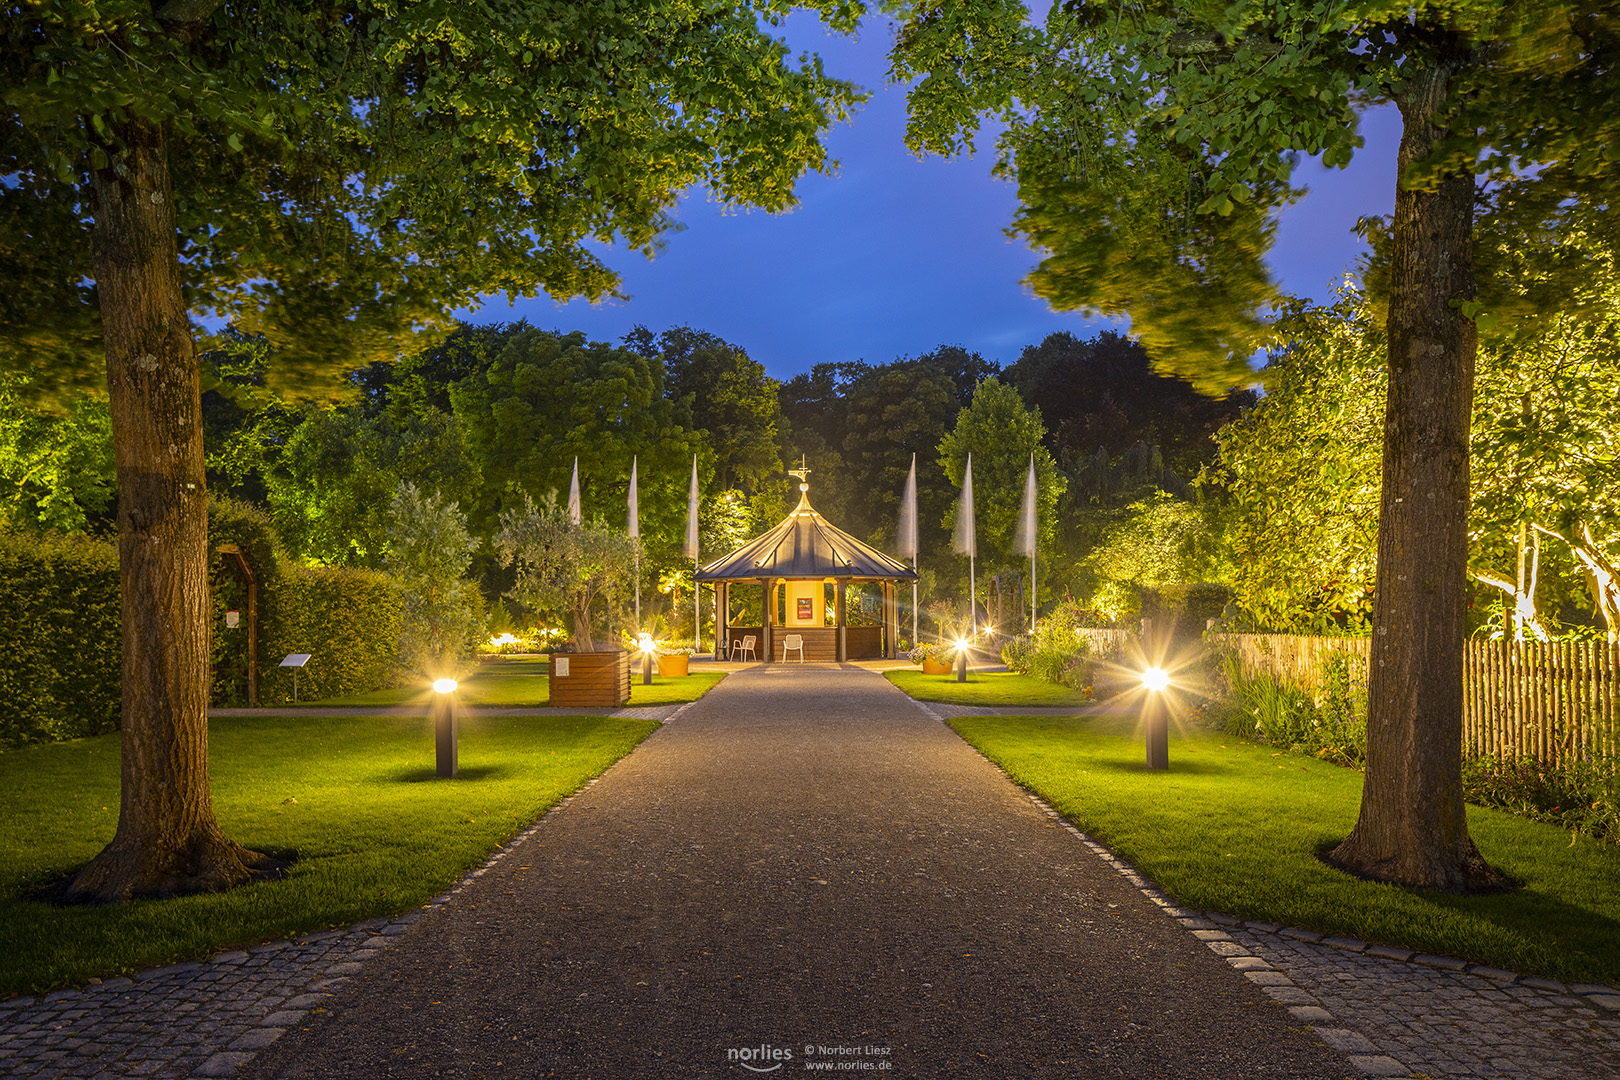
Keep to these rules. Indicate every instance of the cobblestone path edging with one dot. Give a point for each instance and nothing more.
(207, 1018)
(1392, 1011)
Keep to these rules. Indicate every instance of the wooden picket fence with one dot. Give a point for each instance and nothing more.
(1554, 701)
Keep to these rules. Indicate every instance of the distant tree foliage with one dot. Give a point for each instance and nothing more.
(729, 398)
(1302, 472)
(1105, 394)
(56, 461)
(428, 551)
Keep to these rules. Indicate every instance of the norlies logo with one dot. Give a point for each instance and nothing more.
(761, 1058)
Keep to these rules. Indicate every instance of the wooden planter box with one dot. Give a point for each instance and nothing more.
(672, 666)
(937, 667)
(591, 680)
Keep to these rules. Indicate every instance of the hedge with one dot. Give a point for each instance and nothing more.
(347, 620)
(60, 643)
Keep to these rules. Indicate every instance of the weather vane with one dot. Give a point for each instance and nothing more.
(803, 473)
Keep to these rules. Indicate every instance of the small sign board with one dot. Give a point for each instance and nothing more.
(233, 619)
(559, 666)
(296, 659)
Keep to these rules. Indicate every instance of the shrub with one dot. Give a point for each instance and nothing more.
(940, 654)
(1017, 652)
(1330, 724)
(60, 642)
(429, 549)
(1582, 796)
(1182, 611)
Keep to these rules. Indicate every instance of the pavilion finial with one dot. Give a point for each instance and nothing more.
(803, 473)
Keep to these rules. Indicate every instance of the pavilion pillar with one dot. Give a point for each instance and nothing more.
(767, 615)
(722, 629)
(838, 609)
(891, 621)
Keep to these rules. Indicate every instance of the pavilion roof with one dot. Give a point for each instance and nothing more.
(805, 545)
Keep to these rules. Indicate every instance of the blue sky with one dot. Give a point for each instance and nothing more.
(896, 255)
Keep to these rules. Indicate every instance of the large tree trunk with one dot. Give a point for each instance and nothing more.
(167, 840)
(1412, 829)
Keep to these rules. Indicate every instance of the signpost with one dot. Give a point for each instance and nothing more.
(295, 661)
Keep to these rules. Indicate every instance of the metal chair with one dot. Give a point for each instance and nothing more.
(745, 644)
(793, 641)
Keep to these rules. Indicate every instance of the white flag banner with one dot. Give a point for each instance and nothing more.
(573, 496)
(964, 541)
(691, 549)
(633, 519)
(907, 542)
(1026, 515)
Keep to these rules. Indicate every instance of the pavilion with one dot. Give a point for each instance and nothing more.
(793, 565)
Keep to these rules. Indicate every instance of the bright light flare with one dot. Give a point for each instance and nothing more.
(444, 686)
(1155, 678)
(504, 639)
(961, 643)
(644, 641)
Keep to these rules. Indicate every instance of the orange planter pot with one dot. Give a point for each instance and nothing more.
(671, 666)
(936, 667)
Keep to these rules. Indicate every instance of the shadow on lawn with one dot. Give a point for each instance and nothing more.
(466, 772)
(1182, 765)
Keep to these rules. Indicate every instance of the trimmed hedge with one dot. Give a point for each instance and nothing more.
(60, 642)
(347, 620)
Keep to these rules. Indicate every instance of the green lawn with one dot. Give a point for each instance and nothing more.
(523, 684)
(374, 831)
(1235, 827)
(996, 688)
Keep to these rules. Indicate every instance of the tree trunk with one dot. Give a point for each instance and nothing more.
(1412, 829)
(167, 841)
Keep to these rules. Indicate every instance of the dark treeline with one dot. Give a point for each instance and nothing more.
(496, 414)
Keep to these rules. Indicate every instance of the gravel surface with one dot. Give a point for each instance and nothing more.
(803, 869)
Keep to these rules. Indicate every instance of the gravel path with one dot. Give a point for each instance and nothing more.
(805, 868)
(809, 863)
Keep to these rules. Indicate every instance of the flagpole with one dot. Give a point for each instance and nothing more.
(692, 552)
(1033, 494)
(634, 522)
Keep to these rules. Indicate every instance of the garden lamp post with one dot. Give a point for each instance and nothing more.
(645, 641)
(444, 725)
(961, 659)
(1155, 681)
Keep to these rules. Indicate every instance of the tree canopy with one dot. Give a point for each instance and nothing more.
(334, 178)
(346, 174)
(1152, 147)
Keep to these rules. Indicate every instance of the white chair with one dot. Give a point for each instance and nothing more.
(744, 645)
(793, 641)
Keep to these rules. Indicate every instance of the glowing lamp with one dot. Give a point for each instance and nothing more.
(644, 641)
(1156, 680)
(445, 733)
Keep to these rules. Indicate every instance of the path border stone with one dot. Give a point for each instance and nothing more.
(211, 1017)
(1210, 927)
